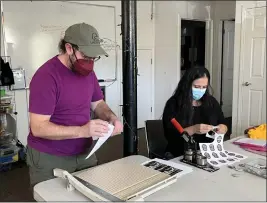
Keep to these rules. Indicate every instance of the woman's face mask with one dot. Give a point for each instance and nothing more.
(199, 87)
(198, 93)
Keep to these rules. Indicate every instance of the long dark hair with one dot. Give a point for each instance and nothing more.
(183, 94)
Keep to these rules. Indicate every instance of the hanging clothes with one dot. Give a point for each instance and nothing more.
(6, 74)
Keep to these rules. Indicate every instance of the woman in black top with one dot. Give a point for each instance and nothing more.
(194, 108)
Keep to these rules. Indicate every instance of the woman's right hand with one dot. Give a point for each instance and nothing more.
(202, 128)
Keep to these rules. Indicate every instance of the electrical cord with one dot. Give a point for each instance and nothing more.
(111, 84)
(124, 119)
(135, 135)
(125, 122)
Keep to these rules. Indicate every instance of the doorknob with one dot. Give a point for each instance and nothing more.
(246, 84)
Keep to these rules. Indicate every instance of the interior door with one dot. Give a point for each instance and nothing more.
(144, 87)
(253, 91)
(227, 67)
(208, 46)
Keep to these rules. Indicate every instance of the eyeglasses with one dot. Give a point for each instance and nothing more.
(95, 59)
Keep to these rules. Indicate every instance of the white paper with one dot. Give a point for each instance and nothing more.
(179, 168)
(101, 140)
(215, 153)
(260, 143)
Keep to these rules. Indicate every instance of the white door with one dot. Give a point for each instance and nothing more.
(253, 81)
(208, 46)
(144, 87)
(227, 68)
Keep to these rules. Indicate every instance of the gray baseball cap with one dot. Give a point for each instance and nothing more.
(86, 38)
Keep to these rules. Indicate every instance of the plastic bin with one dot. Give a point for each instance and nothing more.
(8, 154)
(6, 138)
(8, 149)
(256, 167)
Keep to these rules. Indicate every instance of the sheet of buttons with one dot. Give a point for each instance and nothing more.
(215, 153)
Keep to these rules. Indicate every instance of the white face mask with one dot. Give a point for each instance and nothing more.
(198, 93)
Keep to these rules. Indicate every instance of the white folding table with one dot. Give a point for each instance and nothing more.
(200, 185)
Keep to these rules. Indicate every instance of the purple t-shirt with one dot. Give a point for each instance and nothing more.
(55, 90)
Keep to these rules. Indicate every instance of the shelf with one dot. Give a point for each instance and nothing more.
(8, 121)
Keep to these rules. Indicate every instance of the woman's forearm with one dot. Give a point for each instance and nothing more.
(190, 130)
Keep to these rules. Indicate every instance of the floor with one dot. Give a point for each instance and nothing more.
(14, 184)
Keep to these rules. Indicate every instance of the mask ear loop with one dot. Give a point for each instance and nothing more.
(72, 65)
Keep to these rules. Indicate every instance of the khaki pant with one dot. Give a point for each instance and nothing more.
(41, 165)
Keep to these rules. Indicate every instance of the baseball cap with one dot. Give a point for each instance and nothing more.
(86, 38)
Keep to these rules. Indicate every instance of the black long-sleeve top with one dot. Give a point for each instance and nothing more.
(211, 115)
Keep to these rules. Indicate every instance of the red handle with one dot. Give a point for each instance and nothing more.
(177, 125)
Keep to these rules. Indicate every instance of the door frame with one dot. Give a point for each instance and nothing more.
(151, 83)
(208, 44)
(220, 59)
(241, 7)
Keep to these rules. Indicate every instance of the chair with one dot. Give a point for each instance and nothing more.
(156, 142)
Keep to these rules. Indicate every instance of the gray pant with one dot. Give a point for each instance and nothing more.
(41, 165)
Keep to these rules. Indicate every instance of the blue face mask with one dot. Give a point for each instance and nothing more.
(198, 93)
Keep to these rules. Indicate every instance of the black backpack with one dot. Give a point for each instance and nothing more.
(6, 74)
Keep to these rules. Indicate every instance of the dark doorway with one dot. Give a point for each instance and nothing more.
(193, 35)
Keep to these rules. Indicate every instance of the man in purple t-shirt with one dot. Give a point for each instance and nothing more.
(62, 92)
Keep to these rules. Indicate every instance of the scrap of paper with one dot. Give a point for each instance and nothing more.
(101, 140)
(211, 134)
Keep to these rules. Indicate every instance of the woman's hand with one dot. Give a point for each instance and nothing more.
(202, 128)
(222, 129)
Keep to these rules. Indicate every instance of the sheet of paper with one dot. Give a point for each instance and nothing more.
(101, 140)
(169, 167)
(215, 153)
(253, 142)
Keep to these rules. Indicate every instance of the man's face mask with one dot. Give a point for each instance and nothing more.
(82, 66)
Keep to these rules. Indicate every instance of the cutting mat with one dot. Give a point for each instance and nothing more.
(122, 180)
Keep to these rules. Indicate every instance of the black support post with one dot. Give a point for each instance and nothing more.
(129, 60)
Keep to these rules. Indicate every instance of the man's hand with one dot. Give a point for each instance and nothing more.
(103, 112)
(93, 128)
(118, 127)
(202, 128)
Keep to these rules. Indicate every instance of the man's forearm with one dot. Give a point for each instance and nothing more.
(53, 131)
(103, 112)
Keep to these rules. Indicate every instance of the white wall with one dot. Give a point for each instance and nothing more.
(113, 90)
(167, 72)
(2, 34)
(221, 10)
(162, 36)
